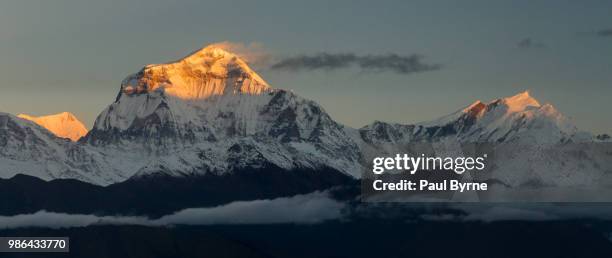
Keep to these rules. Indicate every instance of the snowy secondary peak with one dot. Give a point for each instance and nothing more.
(210, 71)
(64, 125)
(517, 103)
(510, 118)
(475, 109)
(520, 102)
(516, 118)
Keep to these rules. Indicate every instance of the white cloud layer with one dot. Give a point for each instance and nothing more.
(300, 209)
(525, 212)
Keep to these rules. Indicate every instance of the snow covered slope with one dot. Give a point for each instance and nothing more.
(528, 143)
(206, 113)
(209, 112)
(517, 119)
(64, 125)
(27, 148)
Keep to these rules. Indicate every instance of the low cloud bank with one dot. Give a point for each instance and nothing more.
(301, 209)
(316, 208)
(312, 208)
(525, 212)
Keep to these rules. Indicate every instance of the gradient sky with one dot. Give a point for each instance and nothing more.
(72, 55)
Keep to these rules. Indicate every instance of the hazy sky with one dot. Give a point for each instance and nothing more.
(72, 55)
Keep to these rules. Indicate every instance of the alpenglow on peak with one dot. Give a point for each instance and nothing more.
(520, 102)
(64, 125)
(207, 72)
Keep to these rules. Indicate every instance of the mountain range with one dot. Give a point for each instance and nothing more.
(210, 114)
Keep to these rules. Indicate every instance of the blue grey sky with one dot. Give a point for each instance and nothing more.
(72, 55)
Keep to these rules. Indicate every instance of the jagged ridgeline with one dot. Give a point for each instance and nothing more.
(210, 114)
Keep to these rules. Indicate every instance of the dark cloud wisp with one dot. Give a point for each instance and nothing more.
(373, 63)
(527, 43)
(604, 33)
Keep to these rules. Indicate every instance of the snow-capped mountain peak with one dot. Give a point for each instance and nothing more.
(519, 118)
(210, 112)
(207, 72)
(64, 125)
(520, 102)
(475, 107)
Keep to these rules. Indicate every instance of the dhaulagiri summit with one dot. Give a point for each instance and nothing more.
(210, 71)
